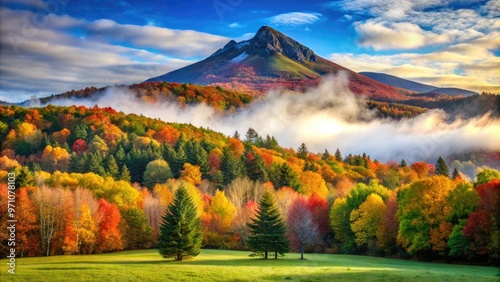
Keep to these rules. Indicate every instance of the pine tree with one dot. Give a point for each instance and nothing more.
(181, 232)
(326, 155)
(285, 176)
(302, 151)
(256, 168)
(251, 136)
(403, 163)
(125, 174)
(442, 168)
(112, 166)
(268, 230)
(455, 174)
(178, 163)
(338, 155)
(231, 166)
(236, 135)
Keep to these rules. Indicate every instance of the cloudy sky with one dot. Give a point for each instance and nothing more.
(49, 47)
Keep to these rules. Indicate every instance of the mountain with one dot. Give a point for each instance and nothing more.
(269, 60)
(399, 82)
(415, 86)
(453, 91)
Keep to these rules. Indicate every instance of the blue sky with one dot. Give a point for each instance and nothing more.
(54, 46)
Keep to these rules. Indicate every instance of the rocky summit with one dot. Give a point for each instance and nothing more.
(273, 60)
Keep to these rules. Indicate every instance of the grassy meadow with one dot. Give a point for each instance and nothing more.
(220, 265)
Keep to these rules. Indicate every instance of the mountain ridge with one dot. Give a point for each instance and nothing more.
(416, 86)
(273, 60)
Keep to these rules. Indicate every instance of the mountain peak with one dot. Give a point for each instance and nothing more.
(268, 41)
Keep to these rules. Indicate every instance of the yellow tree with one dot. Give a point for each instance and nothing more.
(222, 210)
(55, 158)
(365, 221)
(422, 211)
(86, 231)
(191, 174)
(313, 183)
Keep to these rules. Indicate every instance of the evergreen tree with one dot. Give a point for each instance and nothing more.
(455, 174)
(256, 168)
(268, 230)
(338, 155)
(201, 160)
(94, 164)
(181, 233)
(178, 162)
(302, 151)
(251, 136)
(442, 168)
(326, 155)
(285, 176)
(120, 156)
(403, 163)
(231, 166)
(270, 143)
(310, 166)
(236, 135)
(112, 166)
(77, 162)
(125, 174)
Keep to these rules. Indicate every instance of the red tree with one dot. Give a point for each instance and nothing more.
(109, 237)
(318, 207)
(79, 146)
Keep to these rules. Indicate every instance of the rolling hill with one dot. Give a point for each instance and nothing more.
(270, 60)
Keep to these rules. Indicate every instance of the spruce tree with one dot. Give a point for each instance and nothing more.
(256, 168)
(251, 136)
(442, 168)
(125, 174)
(231, 166)
(236, 135)
(285, 176)
(302, 151)
(403, 163)
(112, 166)
(268, 230)
(455, 174)
(181, 232)
(338, 155)
(326, 155)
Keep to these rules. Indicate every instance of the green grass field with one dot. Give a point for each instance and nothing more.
(219, 265)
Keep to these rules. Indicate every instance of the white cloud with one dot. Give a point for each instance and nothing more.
(477, 65)
(408, 24)
(234, 25)
(295, 18)
(394, 35)
(45, 51)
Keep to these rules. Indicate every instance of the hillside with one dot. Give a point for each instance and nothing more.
(399, 82)
(270, 60)
(190, 94)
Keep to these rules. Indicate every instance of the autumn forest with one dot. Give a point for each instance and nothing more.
(95, 180)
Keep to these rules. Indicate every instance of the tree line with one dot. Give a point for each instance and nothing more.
(95, 180)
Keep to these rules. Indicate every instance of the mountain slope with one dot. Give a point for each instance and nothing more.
(399, 82)
(271, 60)
(453, 91)
(415, 86)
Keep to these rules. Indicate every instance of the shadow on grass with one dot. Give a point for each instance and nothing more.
(208, 262)
(64, 268)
